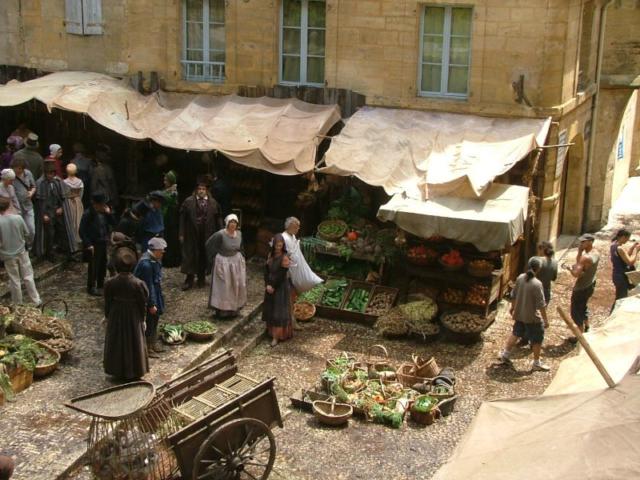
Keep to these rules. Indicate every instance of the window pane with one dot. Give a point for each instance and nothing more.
(290, 41)
(216, 56)
(432, 50)
(291, 13)
(194, 55)
(216, 38)
(431, 75)
(315, 70)
(461, 21)
(194, 10)
(316, 14)
(459, 51)
(458, 79)
(194, 35)
(315, 43)
(291, 69)
(434, 20)
(216, 11)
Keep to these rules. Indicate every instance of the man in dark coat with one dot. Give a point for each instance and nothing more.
(30, 156)
(152, 223)
(95, 232)
(200, 217)
(125, 307)
(50, 225)
(102, 179)
(149, 270)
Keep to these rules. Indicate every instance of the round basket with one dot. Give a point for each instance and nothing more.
(479, 272)
(428, 368)
(331, 413)
(425, 418)
(340, 229)
(61, 345)
(198, 336)
(407, 377)
(57, 306)
(42, 370)
(304, 311)
(450, 268)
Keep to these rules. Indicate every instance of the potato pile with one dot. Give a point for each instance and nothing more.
(379, 304)
(477, 295)
(453, 295)
(465, 322)
(419, 318)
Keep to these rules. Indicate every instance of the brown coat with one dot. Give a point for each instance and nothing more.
(193, 252)
(125, 306)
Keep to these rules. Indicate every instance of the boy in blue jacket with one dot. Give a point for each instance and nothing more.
(149, 270)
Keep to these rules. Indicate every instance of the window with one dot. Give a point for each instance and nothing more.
(445, 51)
(83, 17)
(585, 73)
(203, 41)
(302, 42)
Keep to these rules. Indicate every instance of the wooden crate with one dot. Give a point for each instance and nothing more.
(342, 314)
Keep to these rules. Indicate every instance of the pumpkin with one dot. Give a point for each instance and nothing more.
(352, 236)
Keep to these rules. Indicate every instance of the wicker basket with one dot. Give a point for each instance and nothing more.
(425, 368)
(335, 237)
(378, 366)
(332, 413)
(424, 418)
(63, 351)
(407, 377)
(45, 369)
(301, 314)
(198, 336)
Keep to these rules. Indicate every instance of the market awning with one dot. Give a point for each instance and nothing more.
(277, 135)
(491, 222)
(424, 154)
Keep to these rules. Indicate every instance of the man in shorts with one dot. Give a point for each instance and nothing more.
(584, 271)
(530, 315)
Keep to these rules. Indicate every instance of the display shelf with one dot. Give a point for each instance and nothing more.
(458, 278)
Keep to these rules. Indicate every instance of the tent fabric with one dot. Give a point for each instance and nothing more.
(424, 154)
(277, 135)
(492, 222)
(579, 428)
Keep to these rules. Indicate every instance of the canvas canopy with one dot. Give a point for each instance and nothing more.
(424, 154)
(276, 135)
(578, 429)
(491, 222)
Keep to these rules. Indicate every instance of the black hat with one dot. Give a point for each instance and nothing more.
(140, 208)
(99, 198)
(203, 180)
(125, 259)
(587, 237)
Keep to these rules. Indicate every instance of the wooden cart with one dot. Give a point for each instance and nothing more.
(216, 422)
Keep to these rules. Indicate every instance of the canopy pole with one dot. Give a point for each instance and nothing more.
(587, 348)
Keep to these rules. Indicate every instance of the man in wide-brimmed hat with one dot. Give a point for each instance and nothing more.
(95, 232)
(200, 217)
(32, 159)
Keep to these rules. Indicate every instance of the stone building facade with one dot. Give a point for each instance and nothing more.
(568, 59)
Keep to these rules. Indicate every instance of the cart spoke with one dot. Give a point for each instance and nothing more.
(261, 465)
(246, 440)
(213, 474)
(254, 478)
(252, 446)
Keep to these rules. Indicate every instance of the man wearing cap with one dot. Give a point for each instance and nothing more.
(25, 186)
(50, 225)
(152, 224)
(95, 232)
(14, 236)
(55, 158)
(8, 191)
(199, 219)
(149, 270)
(33, 161)
(584, 271)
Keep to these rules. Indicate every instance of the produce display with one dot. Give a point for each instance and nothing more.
(200, 326)
(334, 292)
(392, 324)
(332, 229)
(453, 295)
(45, 357)
(312, 296)
(477, 295)
(303, 310)
(380, 303)
(337, 266)
(22, 317)
(422, 255)
(420, 317)
(465, 322)
(358, 299)
(452, 260)
(172, 334)
(60, 345)
(19, 350)
(481, 265)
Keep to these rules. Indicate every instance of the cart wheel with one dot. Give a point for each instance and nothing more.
(242, 449)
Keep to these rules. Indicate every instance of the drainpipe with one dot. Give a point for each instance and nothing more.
(595, 104)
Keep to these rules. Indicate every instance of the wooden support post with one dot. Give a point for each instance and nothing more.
(587, 348)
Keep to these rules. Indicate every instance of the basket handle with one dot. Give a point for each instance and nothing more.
(379, 347)
(64, 302)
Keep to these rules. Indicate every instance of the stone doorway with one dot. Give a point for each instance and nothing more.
(572, 188)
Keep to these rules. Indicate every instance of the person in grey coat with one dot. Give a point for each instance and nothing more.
(32, 159)
(25, 186)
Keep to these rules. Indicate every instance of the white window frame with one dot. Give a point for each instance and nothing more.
(304, 38)
(207, 66)
(446, 45)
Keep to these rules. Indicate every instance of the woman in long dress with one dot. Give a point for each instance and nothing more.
(73, 208)
(276, 309)
(229, 271)
(125, 307)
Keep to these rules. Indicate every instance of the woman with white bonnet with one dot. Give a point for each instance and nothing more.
(74, 187)
(302, 276)
(8, 191)
(229, 272)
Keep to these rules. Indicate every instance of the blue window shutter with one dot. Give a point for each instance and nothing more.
(92, 17)
(73, 16)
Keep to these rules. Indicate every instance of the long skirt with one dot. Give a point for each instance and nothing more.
(228, 283)
(73, 214)
(125, 350)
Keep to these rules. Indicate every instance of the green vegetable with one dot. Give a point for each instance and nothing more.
(334, 291)
(172, 333)
(358, 300)
(20, 351)
(424, 404)
(200, 326)
(312, 296)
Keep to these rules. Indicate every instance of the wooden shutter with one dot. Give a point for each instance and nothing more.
(73, 16)
(92, 17)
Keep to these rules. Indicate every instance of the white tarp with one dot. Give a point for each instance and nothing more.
(277, 135)
(424, 154)
(491, 222)
(579, 429)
